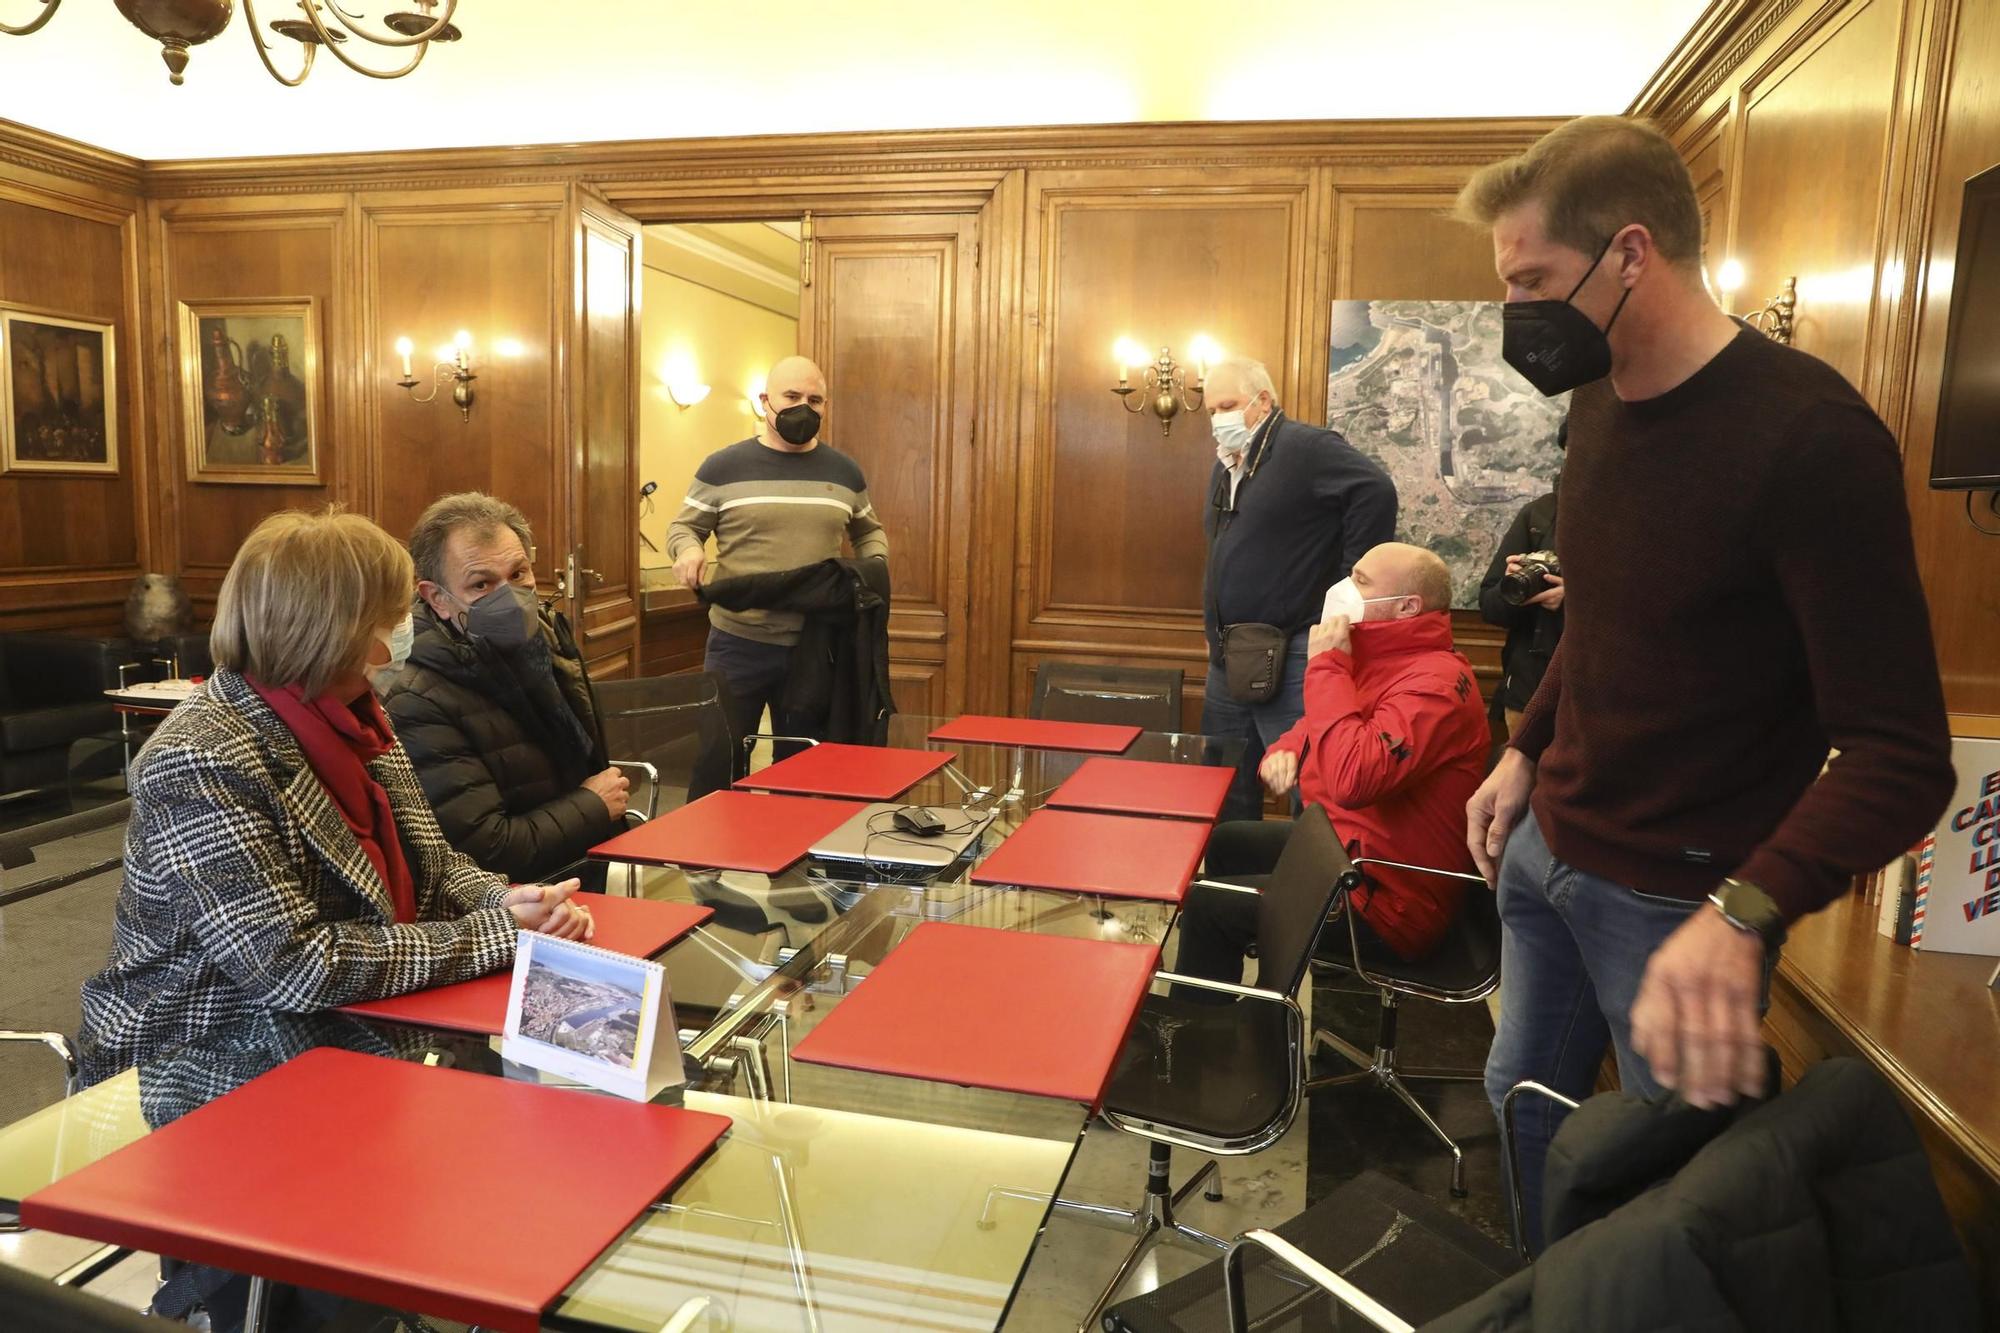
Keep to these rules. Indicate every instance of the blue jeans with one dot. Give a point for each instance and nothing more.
(1573, 948)
(1259, 725)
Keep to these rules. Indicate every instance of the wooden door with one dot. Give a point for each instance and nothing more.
(599, 562)
(890, 313)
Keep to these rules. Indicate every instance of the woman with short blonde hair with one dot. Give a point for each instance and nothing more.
(280, 854)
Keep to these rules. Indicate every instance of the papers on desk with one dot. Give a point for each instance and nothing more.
(592, 1015)
(154, 693)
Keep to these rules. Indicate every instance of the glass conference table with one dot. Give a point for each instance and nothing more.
(839, 1200)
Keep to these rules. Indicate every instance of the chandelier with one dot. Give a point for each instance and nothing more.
(178, 24)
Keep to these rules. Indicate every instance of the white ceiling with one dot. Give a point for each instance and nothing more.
(553, 71)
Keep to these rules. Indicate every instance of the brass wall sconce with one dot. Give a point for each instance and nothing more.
(459, 367)
(1774, 321)
(1163, 388)
(685, 395)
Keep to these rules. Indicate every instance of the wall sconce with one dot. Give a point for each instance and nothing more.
(1164, 383)
(460, 367)
(686, 395)
(751, 397)
(1774, 321)
(1729, 277)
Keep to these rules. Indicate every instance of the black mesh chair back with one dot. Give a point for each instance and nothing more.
(1293, 907)
(1409, 1252)
(669, 722)
(1145, 697)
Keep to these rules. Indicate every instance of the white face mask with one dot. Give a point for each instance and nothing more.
(398, 641)
(1232, 436)
(1344, 599)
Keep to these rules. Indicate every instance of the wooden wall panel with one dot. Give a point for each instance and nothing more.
(1961, 568)
(295, 249)
(1812, 140)
(599, 481)
(1406, 246)
(70, 545)
(891, 319)
(433, 266)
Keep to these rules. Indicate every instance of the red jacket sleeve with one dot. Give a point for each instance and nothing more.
(1359, 758)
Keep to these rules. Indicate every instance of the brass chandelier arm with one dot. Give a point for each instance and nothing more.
(49, 8)
(332, 43)
(351, 23)
(264, 50)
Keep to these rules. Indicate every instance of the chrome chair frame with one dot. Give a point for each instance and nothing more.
(1510, 1155)
(1291, 1256)
(1381, 1067)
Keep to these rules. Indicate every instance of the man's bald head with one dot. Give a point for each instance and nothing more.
(792, 382)
(1398, 569)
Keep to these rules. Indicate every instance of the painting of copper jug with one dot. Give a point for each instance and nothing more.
(225, 388)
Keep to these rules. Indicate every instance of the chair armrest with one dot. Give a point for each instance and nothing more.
(56, 1042)
(652, 776)
(1226, 987)
(756, 736)
(1227, 888)
(1291, 1256)
(1510, 1154)
(1467, 876)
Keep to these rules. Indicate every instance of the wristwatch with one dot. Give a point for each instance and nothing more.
(1750, 909)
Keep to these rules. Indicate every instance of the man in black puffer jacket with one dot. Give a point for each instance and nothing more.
(495, 707)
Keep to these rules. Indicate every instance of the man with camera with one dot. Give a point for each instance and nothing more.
(1522, 593)
(1740, 598)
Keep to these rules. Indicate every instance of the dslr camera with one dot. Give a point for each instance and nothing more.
(1531, 579)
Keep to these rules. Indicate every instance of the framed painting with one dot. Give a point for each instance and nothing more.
(250, 391)
(59, 393)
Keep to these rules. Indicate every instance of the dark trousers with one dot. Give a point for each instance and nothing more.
(753, 679)
(1218, 929)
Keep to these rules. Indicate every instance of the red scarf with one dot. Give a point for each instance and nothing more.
(339, 740)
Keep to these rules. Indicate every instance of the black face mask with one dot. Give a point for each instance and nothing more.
(796, 424)
(1555, 346)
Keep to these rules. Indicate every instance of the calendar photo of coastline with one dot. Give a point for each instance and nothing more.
(585, 1003)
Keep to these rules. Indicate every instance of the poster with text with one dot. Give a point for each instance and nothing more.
(1958, 881)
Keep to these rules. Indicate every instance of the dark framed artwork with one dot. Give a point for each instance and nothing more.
(250, 391)
(59, 395)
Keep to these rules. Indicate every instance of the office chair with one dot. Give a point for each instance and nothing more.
(1464, 968)
(1373, 1246)
(1221, 1078)
(662, 727)
(1145, 697)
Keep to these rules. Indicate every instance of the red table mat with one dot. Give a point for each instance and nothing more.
(860, 772)
(639, 927)
(454, 1194)
(984, 1008)
(1140, 787)
(1036, 734)
(732, 830)
(1113, 855)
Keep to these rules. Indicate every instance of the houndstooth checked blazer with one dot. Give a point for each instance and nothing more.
(245, 890)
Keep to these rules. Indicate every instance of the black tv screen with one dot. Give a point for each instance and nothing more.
(1965, 455)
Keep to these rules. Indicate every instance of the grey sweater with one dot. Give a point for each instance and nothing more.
(771, 511)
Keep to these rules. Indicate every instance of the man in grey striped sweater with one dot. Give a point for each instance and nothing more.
(776, 501)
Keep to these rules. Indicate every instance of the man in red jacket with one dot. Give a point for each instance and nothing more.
(1392, 744)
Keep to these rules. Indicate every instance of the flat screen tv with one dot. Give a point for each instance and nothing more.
(1965, 455)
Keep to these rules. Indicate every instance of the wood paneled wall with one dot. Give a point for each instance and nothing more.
(70, 245)
(1831, 142)
(969, 286)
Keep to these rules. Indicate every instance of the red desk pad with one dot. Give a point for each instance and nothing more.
(859, 772)
(985, 1008)
(732, 830)
(1139, 787)
(1113, 855)
(1035, 734)
(389, 1181)
(635, 926)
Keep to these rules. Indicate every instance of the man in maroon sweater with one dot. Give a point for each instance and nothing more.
(1741, 598)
